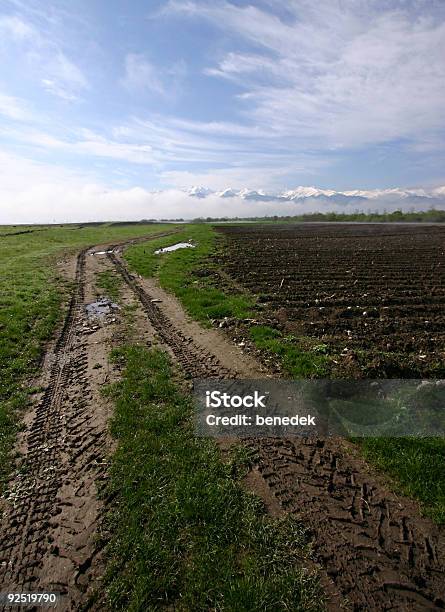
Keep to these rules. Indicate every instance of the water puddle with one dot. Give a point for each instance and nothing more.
(101, 307)
(175, 247)
(100, 252)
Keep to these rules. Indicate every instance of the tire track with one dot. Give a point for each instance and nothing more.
(61, 432)
(379, 553)
(195, 361)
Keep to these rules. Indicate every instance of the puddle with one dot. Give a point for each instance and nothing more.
(100, 252)
(175, 247)
(102, 307)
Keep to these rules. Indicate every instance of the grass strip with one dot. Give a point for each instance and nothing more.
(110, 282)
(184, 534)
(416, 464)
(177, 273)
(296, 361)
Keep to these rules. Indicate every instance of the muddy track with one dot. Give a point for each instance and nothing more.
(63, 452)
(195, 361)
(50, 516)
(377, 550)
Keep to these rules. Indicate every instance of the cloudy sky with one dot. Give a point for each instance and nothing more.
(109, 109)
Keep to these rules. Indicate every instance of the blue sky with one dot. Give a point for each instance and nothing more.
(104, 102)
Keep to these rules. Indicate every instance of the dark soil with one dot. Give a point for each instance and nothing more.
(374, 294)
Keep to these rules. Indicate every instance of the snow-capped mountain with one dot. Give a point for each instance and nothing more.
(227, 193)
(393, 195)
(306, 192)
(198, 192)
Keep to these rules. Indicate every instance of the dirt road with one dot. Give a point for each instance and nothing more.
(374, 549)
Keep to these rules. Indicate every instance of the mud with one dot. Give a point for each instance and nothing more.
(100, 308)
(47, 531)
(378, 551)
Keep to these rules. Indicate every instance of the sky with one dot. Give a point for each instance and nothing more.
(112, 109)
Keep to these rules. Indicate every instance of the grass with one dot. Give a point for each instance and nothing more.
(110, 283)
(177, 273)
(184, 533)
(31, 293)
(296, 361)
(417, 466)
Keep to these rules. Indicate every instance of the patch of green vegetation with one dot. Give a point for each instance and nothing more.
(298, 362)
(177, 272)
(417, 465)
(31, 293)
(110, 283)
(184, 533)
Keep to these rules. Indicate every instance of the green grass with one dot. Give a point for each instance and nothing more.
(296, 361)
(31, 292)
(110, 283)
(177, 273)
(184, 534)
(416, 464)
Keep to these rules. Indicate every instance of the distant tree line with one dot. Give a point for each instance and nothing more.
(428, 216)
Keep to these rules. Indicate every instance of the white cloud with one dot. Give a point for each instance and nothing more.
(238, 154)
(335, 74)
(84, 143)
(63, 78)
(140, 74)
(95, 145)
(41, 58)
(258, 177)
(16, 27)
(14, 108)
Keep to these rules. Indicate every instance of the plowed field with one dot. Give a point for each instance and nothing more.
(373, 294)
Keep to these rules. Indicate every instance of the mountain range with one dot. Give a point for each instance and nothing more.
(422, 197)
